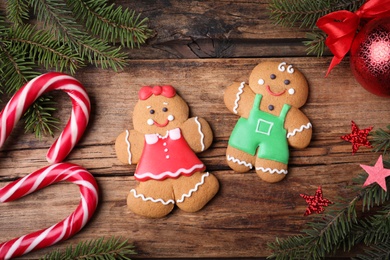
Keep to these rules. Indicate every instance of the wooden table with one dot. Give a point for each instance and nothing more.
(200, 47)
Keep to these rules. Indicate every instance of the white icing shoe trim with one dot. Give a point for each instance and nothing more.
(272, 171)
(295, 131)
(235, 160)
(201, 133)
(240, 91)
(184, 196)
(150, 198)
(128, 145)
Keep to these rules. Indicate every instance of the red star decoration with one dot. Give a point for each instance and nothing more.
(316, 203)
(358, 137)
(376, 173)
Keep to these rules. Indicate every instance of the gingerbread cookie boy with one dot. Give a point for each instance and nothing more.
(270, 120)
(163, 145)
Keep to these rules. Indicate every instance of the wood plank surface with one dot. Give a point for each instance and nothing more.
(247, 213)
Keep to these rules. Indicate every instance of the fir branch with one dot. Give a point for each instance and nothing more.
(16, 71)
(96, 51)
(112, 248)
(24, 47)
(39, 117)
(101, 54)
(376, 252)
(381, 140)
(38, 45)
(315, 43)
(57, 19)
(111, 23)
(305, 13)
(17, 11)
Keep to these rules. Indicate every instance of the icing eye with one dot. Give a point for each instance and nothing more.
(164, 109)
(291, 91)
(272, 76)
(261, 81)
(151, 111)
(286, 82)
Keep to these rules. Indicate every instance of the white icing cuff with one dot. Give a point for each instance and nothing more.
(150, 198)
(201, 133)
(240, 91)
(299, 130)
(235, 160)
(272, 171)
(128, 146)
(187, 195)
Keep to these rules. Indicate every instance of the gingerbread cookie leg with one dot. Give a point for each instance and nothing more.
(151, 199)
(192, 193)
(238, 160)
(270, 171)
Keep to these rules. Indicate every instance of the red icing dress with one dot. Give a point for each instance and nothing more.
(167, 157)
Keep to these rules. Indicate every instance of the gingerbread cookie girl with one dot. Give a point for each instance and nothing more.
(163, 145)
(270, 120)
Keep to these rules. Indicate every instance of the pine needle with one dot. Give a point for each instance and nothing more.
(112, 248)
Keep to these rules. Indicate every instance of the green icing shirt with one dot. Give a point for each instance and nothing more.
(263, 132)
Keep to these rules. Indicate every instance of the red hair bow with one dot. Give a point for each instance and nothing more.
(147, 91)
(341, 27)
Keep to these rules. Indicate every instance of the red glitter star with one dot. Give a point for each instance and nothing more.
(358, 137)
(376, 173)
(316, 203)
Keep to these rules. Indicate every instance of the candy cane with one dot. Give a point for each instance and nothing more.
(30, 92)
(56, 172)
(62, 230)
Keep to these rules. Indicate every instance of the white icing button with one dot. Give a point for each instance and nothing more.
(291, 91)
(167, 156)
(150, 121)
(165, 144)
(166, 150)
(261, 81)
(171, 117)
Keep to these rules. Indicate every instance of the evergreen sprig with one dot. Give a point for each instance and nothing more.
(69, 34)
(305, 13)
(362, 219)
(381, 140)
(111, 249)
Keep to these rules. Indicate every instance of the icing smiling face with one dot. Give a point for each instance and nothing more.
(279, 82)
(159, 110)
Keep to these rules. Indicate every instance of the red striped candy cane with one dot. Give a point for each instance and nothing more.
(56, 172)
(62, 230)
(30, 92)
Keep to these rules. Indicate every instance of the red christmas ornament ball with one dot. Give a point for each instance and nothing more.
(370, 57)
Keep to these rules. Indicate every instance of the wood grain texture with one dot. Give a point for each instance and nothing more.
(247, 213)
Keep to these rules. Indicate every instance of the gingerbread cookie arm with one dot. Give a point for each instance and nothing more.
(197, 133)
(239, 98)
(299, 128)
(128, 146)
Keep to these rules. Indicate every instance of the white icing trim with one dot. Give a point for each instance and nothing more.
(240, 91)
(201, 133)
(272, 171)
(184, 196)
(150, 198)
(235, 160)
(168, 173)
(298, 130)
(128, 146)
